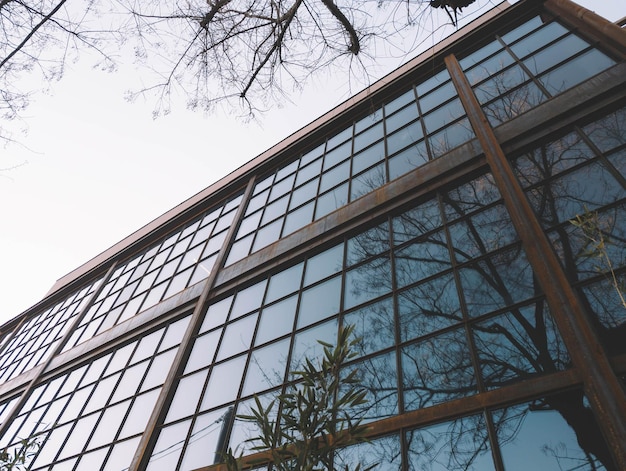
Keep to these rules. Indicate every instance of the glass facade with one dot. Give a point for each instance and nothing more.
(487, 298)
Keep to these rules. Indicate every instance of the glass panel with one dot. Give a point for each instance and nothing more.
(186, 397)
(320, 302)
(374, 327)
(444, 115)
(306, 343)
(604, 303)
(168, 447)
(332, 200)
(428, 307)
(500, 84)
(203, 351)
(491, 66)
(402, 117)
(368, 157)
(224, 383)
(415, 222)
(399, 102)
(337, 155)
(368, 244)
(438, 96)
(298, 219)
(576, 71)
(237, 337)
(459, 445)
(575, 193)
(284, 282)
(379, 377)
(470, 197)
(450, 137)
(217, 312)
(405, 137)
(267, 235)
(303, 194)
(339, 137)
(277, 320)
(518, 345)
(381, 454)
(553, 433)
(249, 224)
(335, 176)
(482, 233)
(501, 280)
(309, 172)
(367, 281)
(248, 299)
(267, 367)
(366, 138)
(437, 370)
(203, 441)
(608, 132)
(368, 121)
(322, 265)
(539, 38)
(413, 157)
(566, 47)
(282, 188)
(421, 259)
(368, 181)
(275, 209)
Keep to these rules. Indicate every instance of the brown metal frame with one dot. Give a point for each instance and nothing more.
(148, 439)
(602, 387)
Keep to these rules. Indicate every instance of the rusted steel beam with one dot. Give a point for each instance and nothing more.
(595, 27)
(601, 385)
(141, 457)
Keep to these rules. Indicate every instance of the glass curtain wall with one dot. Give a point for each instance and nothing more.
(456, 337)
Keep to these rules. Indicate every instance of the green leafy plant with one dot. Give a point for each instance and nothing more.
(17, 457)
(315, 417)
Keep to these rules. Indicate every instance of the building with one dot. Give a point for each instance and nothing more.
(433, 212)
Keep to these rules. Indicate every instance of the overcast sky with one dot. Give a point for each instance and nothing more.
(93, 168)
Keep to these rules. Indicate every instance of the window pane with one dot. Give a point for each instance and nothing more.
(459, 445)
(437, 370)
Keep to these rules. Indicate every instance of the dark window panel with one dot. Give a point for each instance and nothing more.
(519, 344)
(527, 434)
(498, 281)
(421, 259)
(437, 370)
(428, 307)
(458, 445)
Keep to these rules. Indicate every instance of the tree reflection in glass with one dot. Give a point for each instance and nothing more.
(461, 444)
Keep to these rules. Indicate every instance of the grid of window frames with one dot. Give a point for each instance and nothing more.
(528, 65)
(356, 161)
(37, 337)
(533, 434)
(577, 186)
(92, 417)
(180, 260)
(443, 299)
(510, 75)
(442, 296)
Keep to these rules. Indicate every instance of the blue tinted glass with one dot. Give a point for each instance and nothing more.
(407, 160)
(298, 219)
(322, 265)
(538, 39)
(319, 302)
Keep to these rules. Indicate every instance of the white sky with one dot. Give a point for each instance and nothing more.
(97, 167)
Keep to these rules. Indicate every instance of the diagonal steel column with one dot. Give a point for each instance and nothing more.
(141, 457)
(601, 385)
